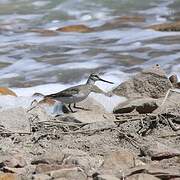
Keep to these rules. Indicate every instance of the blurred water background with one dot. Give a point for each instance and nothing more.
(31, 62)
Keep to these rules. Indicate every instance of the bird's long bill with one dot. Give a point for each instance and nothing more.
(106, 81)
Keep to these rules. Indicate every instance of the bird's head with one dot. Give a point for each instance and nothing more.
(95, 77)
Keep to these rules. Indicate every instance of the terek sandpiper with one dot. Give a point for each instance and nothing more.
(78, 93)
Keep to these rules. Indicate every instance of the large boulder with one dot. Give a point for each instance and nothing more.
(151, 82)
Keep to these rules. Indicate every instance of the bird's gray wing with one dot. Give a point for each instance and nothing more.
(65, 93)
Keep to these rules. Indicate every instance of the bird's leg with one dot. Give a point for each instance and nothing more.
(69, 106)
(77, 107)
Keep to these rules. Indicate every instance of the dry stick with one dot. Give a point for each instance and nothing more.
(126, 120)
(171, 124)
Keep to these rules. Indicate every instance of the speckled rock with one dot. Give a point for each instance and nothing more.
(151, 82)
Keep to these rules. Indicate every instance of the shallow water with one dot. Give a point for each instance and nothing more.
(50, 63)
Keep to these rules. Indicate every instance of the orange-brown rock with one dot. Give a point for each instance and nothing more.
(175, 26)
(75, 28)
(9, 176)
(6, 91)
(44, 32)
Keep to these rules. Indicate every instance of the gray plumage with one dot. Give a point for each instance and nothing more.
(78, 93)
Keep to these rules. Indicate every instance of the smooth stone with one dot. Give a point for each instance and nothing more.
(75, 28)
(142, 106)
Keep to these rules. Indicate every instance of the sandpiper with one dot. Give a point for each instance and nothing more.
(78, 93)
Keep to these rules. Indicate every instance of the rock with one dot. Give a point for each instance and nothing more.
(41, 177)
(122, 22)
(174, 81)
(87, 163)
(13, 162)
(9, 176)
(6, 91)
(42, 168)
(124, 108)
(142, 106)
(75, 28)
(142, 176)
(159, 151)
(94, 112)
(173, 78)
(53, 157)
(82, 159)
(44, 32)
(155, 170)
(118, 160)
(68, 173)
(174, 26)
(105, 177)
(151, 82)
(15, 120)
(178, 85)
(147, 107)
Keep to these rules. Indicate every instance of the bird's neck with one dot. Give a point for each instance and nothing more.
(90, 82)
